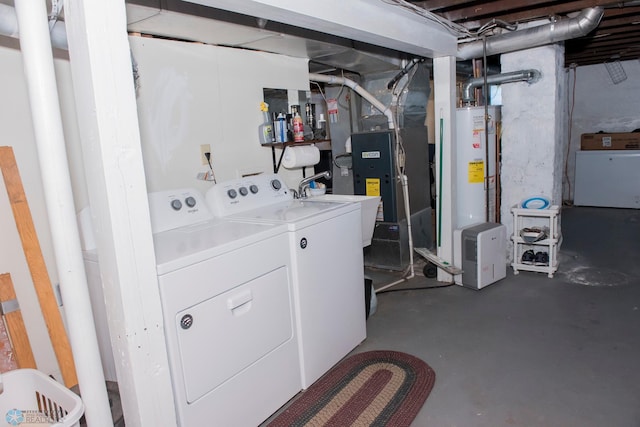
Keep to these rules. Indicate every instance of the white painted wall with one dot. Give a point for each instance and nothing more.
(533, 129)
(191, 94)
(601, 105)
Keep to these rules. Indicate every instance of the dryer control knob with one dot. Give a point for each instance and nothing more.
(253, 189)
(190, 201)
(176, 204)
(276, 185)
(243, 191)
(232, 194)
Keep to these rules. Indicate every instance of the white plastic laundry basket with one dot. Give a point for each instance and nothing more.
(30, 398)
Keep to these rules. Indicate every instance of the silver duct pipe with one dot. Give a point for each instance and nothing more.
(529, 76)
(558, 31)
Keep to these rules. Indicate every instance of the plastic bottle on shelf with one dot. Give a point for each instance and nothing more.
(298, 128)
(265, 130)
(281, 128)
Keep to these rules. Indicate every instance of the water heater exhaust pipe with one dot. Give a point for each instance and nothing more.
(529, 76)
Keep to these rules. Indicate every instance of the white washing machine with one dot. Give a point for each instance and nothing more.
(227, 302)
(325, 245)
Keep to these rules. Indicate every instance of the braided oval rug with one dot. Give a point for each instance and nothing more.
(375, 388)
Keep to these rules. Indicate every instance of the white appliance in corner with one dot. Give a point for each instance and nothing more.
(481, 251)
(608, 178)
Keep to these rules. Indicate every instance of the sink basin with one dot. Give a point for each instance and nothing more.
(368, 210)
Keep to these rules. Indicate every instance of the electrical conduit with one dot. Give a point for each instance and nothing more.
(35, 45)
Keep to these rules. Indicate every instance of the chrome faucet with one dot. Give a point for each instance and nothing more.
(304, 184)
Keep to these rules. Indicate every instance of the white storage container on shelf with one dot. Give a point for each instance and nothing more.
(28, 397)
(533, 252)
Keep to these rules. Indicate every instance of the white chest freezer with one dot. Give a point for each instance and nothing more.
(608, 178)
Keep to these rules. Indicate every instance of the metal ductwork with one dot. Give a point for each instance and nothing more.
(557, 31)
(529, 76)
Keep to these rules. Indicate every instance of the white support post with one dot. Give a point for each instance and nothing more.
(108, 122)
(444, 81)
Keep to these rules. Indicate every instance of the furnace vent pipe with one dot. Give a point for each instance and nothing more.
(334, 80)
(529, 76)
(557, 31)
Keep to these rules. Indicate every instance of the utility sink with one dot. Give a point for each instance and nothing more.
(368, 210)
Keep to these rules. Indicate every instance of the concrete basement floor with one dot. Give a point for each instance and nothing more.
(529, 350)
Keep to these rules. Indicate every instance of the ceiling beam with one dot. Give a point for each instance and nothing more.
(606, 31)
(611, 11)
(434, 5)
(609, 41)
(617, 22)
(378, 23)
(598, 56)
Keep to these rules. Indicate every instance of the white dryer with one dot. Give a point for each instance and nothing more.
(227, 303)
(325, 246)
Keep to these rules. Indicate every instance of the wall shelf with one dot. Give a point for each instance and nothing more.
(527, 218)
(323, 144)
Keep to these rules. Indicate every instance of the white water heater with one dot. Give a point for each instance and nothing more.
(472, 161)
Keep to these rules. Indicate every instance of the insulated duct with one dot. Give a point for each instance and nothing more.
(529, 76)
(557, 31)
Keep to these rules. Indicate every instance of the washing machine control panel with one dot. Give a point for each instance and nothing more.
(177, 208)
(243, 194)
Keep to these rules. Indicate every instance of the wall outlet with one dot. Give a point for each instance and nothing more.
(204, 148)
(206, 176)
